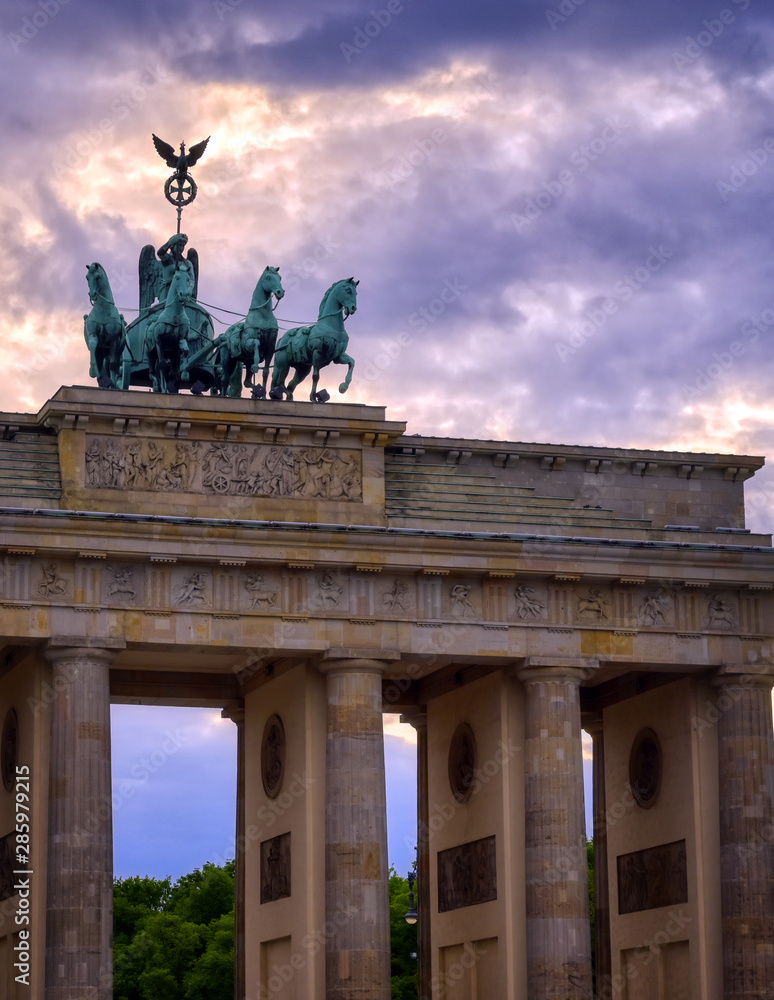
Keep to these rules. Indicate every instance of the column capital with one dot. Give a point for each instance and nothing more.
(556, 668)
(745, 675)
(592, 723)
(415, 717)
(356, 661)
(74, 647)
(235, 711)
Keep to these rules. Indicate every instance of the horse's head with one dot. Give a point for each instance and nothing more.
(348, 296)
(341, 295)
(96, 279)
(271, 283)
(180, 285)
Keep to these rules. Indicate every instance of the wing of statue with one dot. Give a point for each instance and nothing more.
(193, 256)
(196, 151)
(149, 274)
(166, 152)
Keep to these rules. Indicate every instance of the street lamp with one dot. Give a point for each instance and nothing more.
(411, 914)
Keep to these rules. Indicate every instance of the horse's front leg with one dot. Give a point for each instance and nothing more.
(256, 365)
(315, 380)
(92, 341)
(345, 359)
(268, 358)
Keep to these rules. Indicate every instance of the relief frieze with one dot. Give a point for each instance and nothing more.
(224, 469)
(397, 599)
(720, 614)
(260, 595)
(528, 607)
(160, 583)
(656, 608)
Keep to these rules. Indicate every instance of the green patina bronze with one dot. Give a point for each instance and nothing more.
(251, 341)
(310, 348)
(171, 344)
(104, 329)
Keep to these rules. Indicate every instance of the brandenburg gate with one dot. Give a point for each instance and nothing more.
(306, 567)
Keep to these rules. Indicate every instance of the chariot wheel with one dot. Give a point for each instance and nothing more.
(220, 484)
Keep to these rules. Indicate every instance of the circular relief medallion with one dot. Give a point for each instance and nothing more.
(462, 762)
(273, 756)
(645, 768)
(8, 750)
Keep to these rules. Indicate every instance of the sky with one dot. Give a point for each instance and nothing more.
(560, 213)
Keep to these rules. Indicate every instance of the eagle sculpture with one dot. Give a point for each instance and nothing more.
(180, 162)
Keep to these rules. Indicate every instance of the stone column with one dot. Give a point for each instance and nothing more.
(79, 918)
(418, 719)
(602, 955)
(558, 933)
(236, 713)
(357, 928)
(746, 794)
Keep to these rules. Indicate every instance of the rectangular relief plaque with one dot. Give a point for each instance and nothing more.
(275, 868)
(467, 875)
(657, 876)
(217, 469)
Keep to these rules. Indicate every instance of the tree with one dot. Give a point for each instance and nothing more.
(403, 941)
(175, 941)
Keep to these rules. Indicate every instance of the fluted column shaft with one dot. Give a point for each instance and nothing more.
(558, 932)
(357, 929)
(746, 794)
(79, 919)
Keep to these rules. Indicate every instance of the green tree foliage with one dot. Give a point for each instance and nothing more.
(403, 941)
(175, 941)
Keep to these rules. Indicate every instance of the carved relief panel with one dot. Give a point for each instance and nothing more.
(225, 469)
(530, 601)
(275, 868)
(657, 876)
(593, 605)
(123, 584)
(467, 875)
(396, 596)
(261, 590)
(464, 599)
